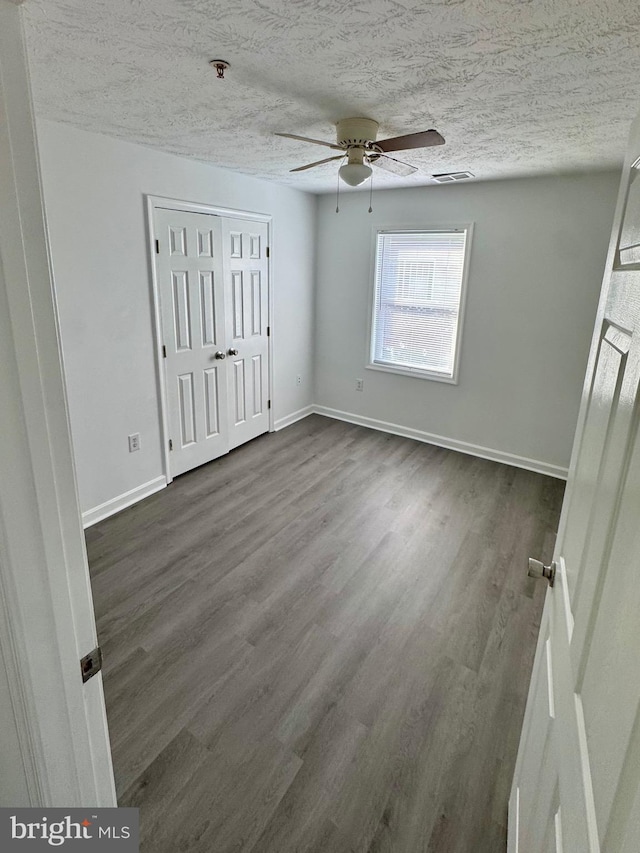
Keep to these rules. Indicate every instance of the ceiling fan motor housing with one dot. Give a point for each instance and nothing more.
(356, 131)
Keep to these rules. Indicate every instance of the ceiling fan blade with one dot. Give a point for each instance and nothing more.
(390, 164)
(425, 139)
(317, 163)
(313, 141)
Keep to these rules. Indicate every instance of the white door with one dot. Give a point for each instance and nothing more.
(577, 781)
(245, 276)
(212, 280)
(191, 288)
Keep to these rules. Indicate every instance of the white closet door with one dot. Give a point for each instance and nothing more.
(212, 277)
(246, 297)
(191, 289)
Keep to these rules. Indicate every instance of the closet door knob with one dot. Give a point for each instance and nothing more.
(539, 570)
(232, 351)
(219, 355)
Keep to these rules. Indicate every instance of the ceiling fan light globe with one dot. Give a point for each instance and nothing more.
(354, 173)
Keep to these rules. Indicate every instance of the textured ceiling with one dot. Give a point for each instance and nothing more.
(515, 87)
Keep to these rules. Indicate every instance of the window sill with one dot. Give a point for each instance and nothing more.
(414, 372)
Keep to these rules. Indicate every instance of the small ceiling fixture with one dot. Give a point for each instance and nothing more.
(356, 139)
(220, 65)
(451, 177)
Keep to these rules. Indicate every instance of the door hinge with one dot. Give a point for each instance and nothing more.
(269, 404)
(268, 331)
(268, 252)
(170, 444)
(157, 247)
(164, 351)
(91, 663)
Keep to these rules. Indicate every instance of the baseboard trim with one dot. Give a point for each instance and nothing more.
(450, 443)
(281, 423)
(99, 513)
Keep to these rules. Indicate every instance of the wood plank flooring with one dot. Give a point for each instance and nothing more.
(322, 642)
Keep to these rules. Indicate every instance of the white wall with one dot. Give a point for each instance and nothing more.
(93, 188)
(537, 259)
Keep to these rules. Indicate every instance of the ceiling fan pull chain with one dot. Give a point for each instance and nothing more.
(371, 193)
(338, 195)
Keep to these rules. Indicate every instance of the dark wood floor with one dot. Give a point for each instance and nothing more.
(322, 642)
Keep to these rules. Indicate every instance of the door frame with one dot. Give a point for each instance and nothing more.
(46, 614)
(154, 202)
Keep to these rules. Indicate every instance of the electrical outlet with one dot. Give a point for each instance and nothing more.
(298, 380)
(134, 442)
(359, 384)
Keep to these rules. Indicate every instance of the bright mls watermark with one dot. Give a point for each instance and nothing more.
(69, 829)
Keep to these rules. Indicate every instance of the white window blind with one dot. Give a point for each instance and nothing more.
(418, 290)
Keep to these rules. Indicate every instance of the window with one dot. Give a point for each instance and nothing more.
(417, 307)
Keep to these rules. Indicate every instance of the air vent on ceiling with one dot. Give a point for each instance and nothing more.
(450, 177)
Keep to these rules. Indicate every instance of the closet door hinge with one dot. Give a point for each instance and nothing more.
(268, 331)
(170, 444)
(268, 251)
(157, 247)
(269, 404)
(164, 351)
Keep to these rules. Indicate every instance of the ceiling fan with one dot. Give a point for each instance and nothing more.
(356, 139)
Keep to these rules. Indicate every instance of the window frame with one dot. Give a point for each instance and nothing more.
(418, 372)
